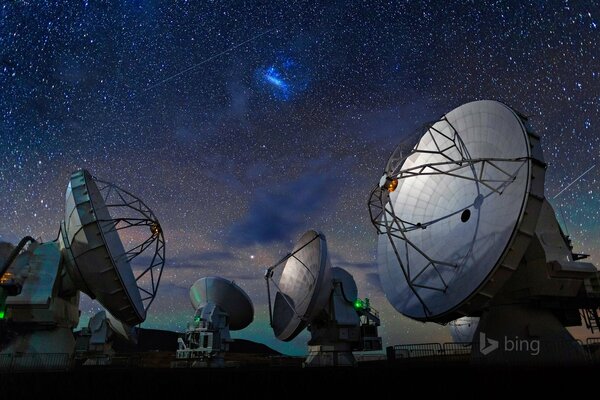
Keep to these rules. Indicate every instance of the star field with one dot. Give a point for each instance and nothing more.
(242, 125)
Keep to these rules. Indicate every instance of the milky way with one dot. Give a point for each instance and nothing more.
(231, 167)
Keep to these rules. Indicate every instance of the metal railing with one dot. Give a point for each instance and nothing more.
(428, 350)
(593, 341)
(550, 352)
(545, 353)
(457, 351)
(5, 362)
(374, 356)
(35, 362)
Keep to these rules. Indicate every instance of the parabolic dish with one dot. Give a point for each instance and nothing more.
(228, 296)
(96, 258)
(455, 206)
(463, 329)
(301, 293)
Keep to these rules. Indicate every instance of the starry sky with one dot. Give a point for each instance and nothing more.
(244, 124)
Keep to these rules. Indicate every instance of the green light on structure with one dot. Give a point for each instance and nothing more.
(1, 314)
(358, 304)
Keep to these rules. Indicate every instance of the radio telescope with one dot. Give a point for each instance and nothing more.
(464, 230)
(221, 306)
(311, 293)
(463, 329)
(110, 246)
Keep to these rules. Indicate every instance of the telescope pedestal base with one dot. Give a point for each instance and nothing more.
(330, 355)
(213, 362)
(41, 349)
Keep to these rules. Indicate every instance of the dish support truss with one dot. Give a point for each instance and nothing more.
(129, 215)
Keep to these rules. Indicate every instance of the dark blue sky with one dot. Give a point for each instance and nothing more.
(242, 125)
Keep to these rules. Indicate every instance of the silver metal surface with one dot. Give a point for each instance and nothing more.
(227, 295)
(463, 329)
(41, 268)
(301, 293)
(461, 194)
(343, 297)
(99, 262)
(350, 291)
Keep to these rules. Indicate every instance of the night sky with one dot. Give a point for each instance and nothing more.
(244, 125)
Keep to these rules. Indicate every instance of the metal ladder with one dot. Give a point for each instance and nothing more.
(590, 318)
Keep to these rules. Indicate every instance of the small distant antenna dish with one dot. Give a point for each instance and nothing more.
(110, 246)
(464, 230)
(463, 329)
(226, 295)
(221, 306)
(313, 294)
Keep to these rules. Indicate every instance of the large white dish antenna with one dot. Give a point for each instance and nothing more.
(300, 296)
(228, 296)
(97, 213)
(454, 212)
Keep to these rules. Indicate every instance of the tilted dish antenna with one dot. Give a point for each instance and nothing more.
(464, 228)
(97, 215)
(450, 211)
(226, 295)
(301, 295)
(221, 306)
(310, 293)
(110, 246)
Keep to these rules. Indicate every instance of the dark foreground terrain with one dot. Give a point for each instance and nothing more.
(375, 379)
(254, 371)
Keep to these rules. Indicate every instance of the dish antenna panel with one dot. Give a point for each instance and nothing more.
(463, 329)
(221, 306)
(464, 230)
(310, 293)
(105, 231)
